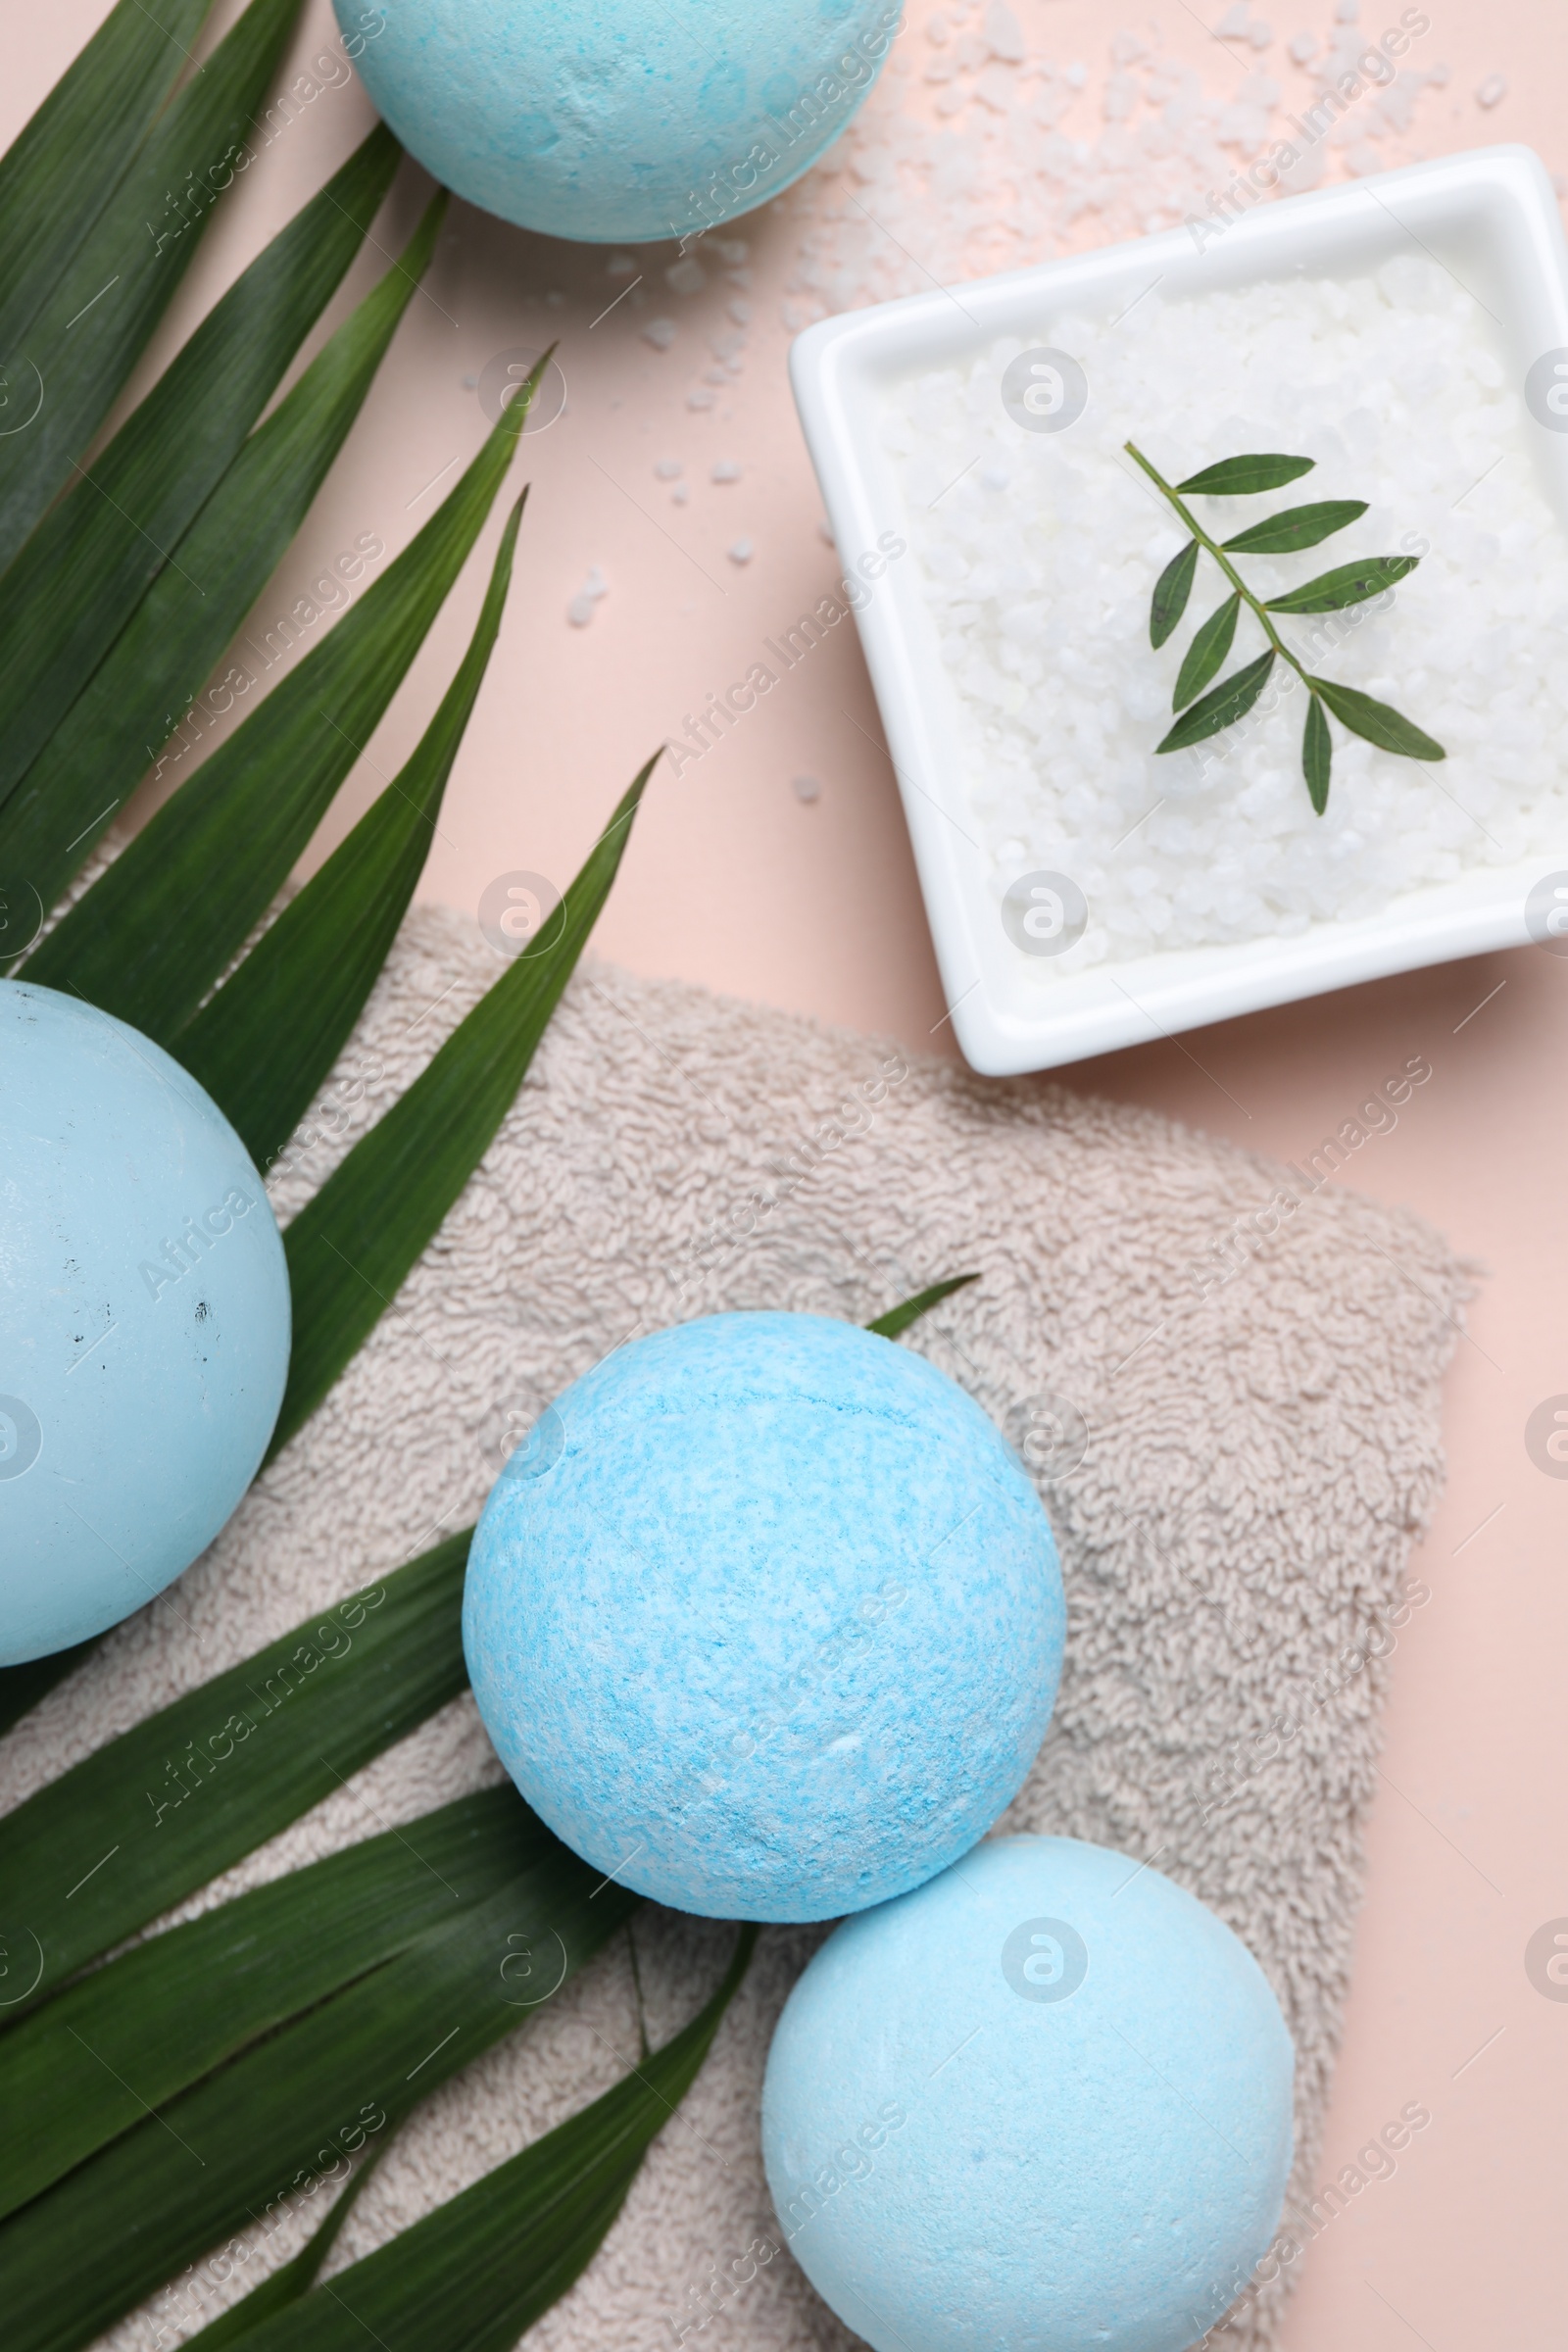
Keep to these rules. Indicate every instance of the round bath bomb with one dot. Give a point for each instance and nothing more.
(1042, 2103)
(144, 1320)
(765, 1618)
(617, 120)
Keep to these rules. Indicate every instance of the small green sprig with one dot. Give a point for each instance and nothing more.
(1333, 591)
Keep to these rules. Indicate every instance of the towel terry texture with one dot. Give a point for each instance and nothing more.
(1236, 1471)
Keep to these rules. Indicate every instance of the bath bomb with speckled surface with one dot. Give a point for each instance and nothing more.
(765, 1618)
(144, 1320)
(617, 120)
(1041, 2104)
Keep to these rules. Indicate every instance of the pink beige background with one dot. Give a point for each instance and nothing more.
(734, 880)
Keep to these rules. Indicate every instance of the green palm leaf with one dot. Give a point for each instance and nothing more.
(90, 2063)
(263, 1045)
(69, 591)
(292, 2106)
(89, 1859)
(291, 2279)
(481, 2268)
(157, 930)
(58, 173)
(176, 633)
(899, 1318)
(101, 307)
(353, 1245)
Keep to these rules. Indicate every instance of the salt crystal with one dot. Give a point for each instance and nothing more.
(698, 398)
(686, 277)
(1347, 11)
(660, 333)
(739, 310)
(806, 788)
(669, 469)
(1003, 34)
(732, 251)
(740, 551)
(620, 265)
(1304, 47)
(1232, 26)
(1494, 86)
(581, 610)
(1077, 76)
(726, 471)
(679, 495)
(1259, 34)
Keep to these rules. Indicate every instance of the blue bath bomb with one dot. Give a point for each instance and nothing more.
(1041, 2104)
(765, 1618)
(144, 1320)
(617, 120)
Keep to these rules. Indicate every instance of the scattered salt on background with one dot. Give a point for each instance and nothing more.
(1013, 170)
(1039, 565)
(581, 610)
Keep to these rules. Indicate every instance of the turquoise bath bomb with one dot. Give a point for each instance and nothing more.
(765, 1618)
(617, 120)
(144, 1320)
(1041, 2104)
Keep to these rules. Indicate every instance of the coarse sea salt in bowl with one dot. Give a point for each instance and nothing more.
(1409, 334)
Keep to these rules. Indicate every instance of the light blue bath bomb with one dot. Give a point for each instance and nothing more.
(144, 1320)
(765, 1618)
(1043, 2104)
(617, 120)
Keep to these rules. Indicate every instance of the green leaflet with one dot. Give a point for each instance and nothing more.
(899, 1318)
(101, 307)
(265, 1041)
(1243, 477)
(159, 927)
(58, 175)
(474, 2274)
(1317, 753)
(90, 561)
(91, 2062)
(1228, 702)
(1206, 652)
(351, 1247)
(90, 1859)
(296, 2105)
(167, 651)
(1297, 528)
(1171, 591)
(1345, 585)
(1378, 722)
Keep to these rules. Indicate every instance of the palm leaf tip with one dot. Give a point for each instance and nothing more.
(898, 1319)
(351, 1247)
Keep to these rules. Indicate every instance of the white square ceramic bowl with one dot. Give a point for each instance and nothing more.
(1490, 216)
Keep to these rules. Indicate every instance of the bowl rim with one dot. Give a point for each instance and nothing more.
(1494, 211)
